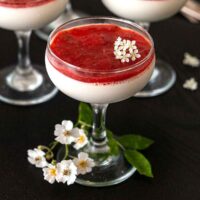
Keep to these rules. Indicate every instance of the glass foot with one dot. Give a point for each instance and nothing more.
(116, 171)
(162, 80)
(34, 89)
(107, 171)
(68, 15)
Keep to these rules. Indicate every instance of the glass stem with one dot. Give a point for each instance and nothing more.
(99, 138)
(24, 64)
(24, 78)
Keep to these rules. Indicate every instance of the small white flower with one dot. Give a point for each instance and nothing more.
(65, 132)
(50, 173)
(125, 58)
(81, 140)
(36, 157)
(83, 163)
(118, 42)
(67, 172)
(135, 55)
(190, 84)
(126, 50)
(191, 60)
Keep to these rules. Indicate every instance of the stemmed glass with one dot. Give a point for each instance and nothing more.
(143, 12)
(88, 85)
(25, 83)
(67, 15)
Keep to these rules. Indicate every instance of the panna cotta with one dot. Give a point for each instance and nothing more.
(29, 14)
(81, 63)
(144, 10)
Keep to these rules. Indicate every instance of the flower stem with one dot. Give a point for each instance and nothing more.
(49, 153)
(120, 145)
(66, 152)
(83, 124)
(53, 145)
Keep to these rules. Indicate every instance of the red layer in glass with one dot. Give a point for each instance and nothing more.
(91, 47)
(23, 3)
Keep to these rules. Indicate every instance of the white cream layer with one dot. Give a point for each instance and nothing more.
(28, 18)
(98, 93)
(144, 10)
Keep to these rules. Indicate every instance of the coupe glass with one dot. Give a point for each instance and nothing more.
(113, 169)
(25, 83)
(144, 12)
(67, 15)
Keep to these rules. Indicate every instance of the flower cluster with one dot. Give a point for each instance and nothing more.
(65, 171)
(66, 134)
(126, 50)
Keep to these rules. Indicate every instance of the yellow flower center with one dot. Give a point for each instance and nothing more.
(81, 139)
(66, 172)
(83, 164)
(38, 158)
(67, 133)
(52, 171)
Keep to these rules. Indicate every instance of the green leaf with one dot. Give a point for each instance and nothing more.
(137, 142)
(138, 160)
(112, 143)
(109, 133)
(85, 114)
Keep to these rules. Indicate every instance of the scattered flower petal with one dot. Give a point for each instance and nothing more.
(191, 60)
(190, 84)
(83, 163)
(50, 173)
(37, 157)
(67, 172)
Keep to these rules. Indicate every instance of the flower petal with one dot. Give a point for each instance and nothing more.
(67, 124)
(75, 132)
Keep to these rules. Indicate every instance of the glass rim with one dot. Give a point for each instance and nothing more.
(114, 19)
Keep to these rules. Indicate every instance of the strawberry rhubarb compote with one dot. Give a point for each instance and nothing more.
(81, 63)
(29, 14)
(144, 10)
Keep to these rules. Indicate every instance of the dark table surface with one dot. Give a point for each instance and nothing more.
(172, 120)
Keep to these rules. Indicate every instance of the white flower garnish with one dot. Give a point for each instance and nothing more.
(65, 132)
(81, 140)
(36, 157)
(126, 50)
(191, 60)
(83, 163)
(50, 173)
(67, 172)
(191, 84)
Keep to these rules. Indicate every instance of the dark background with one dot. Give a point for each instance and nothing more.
(172, 120)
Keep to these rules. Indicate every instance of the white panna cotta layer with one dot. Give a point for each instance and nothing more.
(144, 10)
(29, 18)
(99, 93)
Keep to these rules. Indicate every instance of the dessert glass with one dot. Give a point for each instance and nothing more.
(143, 12)
(67, 15)
(109, 170)
(25, 83)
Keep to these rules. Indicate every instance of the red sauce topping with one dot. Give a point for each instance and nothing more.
(91, 47)
(23, 3)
